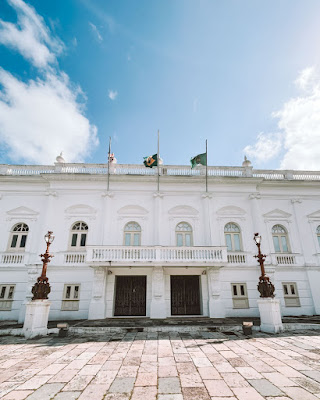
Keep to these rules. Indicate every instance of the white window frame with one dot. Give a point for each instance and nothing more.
(184, 229)
(240, 300)
(291, 297)
(279, 236)
(318, 234)
(232, 235)
(79, 230)
(131, 231)
(19, 234)
(6, 296)
(71, 297)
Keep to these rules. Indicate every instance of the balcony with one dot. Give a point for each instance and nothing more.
(287, 259)
(237, 258)
(11, 258)
(146, 255)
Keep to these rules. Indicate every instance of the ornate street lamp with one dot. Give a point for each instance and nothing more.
(41, 289)
(265, 287)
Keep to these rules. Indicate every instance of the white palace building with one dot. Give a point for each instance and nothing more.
(134, 250)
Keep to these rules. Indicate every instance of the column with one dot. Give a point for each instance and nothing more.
(206, 197)
(216, 305)
(158, 306)
(157, 218)
(97, 307)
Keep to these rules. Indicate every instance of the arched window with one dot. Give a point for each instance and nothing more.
(132, 234)
(184, 234)
(18, 237)
(318, 234)
(280, 239)
(78, 235)
(232, 235)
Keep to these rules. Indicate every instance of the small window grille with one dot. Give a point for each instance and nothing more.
(240, 295)
(290, 294)
(6, 297)
(71, 297)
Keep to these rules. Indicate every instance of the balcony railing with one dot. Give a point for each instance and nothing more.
(286, 259)
(170, 170)
(12, 258)
(143, 254)
(236, 258)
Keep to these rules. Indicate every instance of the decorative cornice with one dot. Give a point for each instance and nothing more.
(296, 200)
(207, 195)
(51, 193)
(158, 194)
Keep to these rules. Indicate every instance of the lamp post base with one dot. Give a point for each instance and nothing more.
(270, 315)
(36, 319)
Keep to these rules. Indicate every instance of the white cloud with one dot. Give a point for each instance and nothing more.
(30, 36)
(299, 128)
(267, 147)
(112, 94)
(96, 32)
(39, 118)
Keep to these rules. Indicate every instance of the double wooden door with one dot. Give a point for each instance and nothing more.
(185, 295)
(130, 299)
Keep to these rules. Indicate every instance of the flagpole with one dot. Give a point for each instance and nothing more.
(206, 165)
(109, 162)
(158, 161)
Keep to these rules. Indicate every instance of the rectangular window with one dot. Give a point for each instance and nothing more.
(276, 244)
(228, 242)
(6, 297)
(290, 294)
(136, 239)
(188, 239)
(83, 239)
(74, 239)
(284, 244)
(127, 239)
(23, 241)
(239, 295)
(71, 297)
(236, 238)
(14, 241)
(179, 239)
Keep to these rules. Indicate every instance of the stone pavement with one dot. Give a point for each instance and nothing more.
(162, 366)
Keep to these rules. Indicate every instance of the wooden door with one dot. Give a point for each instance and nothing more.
(130, 297)
(185, 295)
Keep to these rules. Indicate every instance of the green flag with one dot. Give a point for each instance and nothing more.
(151, 161)
(199, 159)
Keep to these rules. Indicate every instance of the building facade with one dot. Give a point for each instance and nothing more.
(133, 250)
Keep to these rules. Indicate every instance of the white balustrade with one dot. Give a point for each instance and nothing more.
(155, 254)
(75, 258)
(12, 258)
(286, 259)
(171, 170)
(236, 258)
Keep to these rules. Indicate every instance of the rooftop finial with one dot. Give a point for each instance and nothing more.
(246, 162)
(60, 159)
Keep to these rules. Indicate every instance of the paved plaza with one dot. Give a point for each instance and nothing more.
(162, 366)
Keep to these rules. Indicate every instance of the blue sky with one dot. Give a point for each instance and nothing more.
(242, 74)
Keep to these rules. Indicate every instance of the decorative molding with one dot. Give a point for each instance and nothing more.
(207, 195)
(80, 211)
(132, 211)
(22, 212)
(183, 210)
(315, 216)
(231, 211)
(277, 214)
(296, 200)
(158, 194)
(107, 194)
(256, 195)
(52, 193)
